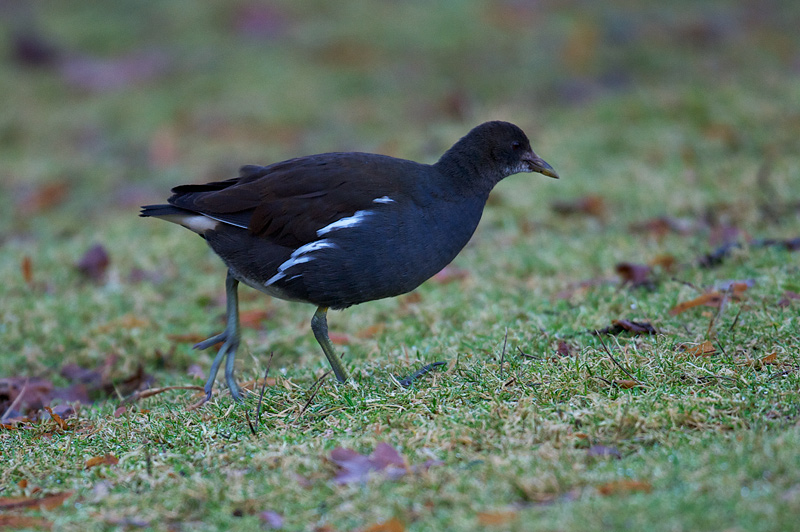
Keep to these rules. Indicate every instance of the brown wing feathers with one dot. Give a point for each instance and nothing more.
(289, 201)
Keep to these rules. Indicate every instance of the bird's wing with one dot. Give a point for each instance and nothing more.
(288, 202)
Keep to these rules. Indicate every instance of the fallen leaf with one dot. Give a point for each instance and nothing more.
(108, 459)
(94, 263)
(659, 227)
(339, 338)
(43, 198)
(626, 384)
(253, 318)
(355, 467)
(372, 331)
(27, 270)
(634, 274)
(788, 297)
(496, 518)
(704, 349)
(564, 349)
(57, 418)
(587, 205)
(270, 519)
(770, 358)
(16, 522)
(450, 274)
(619, 487)
(665, 262)
(187, 338)
(392, 525)
(635, 327)
(45, 502)
(30, 49)
(709, 299)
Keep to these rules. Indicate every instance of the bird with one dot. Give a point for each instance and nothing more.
(340, 229)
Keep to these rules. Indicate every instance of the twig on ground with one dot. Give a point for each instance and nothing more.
(407, 381)
(150, 392)
(614, 360)
(263, 390)
(526, 355)
(315, 387)
(17, 400)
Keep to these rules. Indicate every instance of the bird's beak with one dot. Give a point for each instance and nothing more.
(537, 164)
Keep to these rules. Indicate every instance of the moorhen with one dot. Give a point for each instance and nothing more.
(338, 229)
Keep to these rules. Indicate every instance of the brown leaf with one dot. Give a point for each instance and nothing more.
(187, 338)
(587, 205)
(709, 299)
(661, 226)
(496, 518)
(57, 418)
(635, 327)
(253, 318)
(626, 384)
(665, 262)
(339, 338)
(46, 502)
(787, 298)
(770, 358)
(27, 270)
(634, 274)
(108, 459)
(43, 198)
(94, 263)
(163, 149)
(564, 349)
(372, 331)
(701, 350)
(355, 467)
(619, 487)
(16, 522)
(450, 274)
(392, 525)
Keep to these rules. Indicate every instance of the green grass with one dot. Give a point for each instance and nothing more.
(658, 111)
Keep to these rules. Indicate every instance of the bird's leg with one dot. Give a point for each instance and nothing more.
(230, 337)
(319, 324)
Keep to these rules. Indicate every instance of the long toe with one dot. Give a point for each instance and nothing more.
(214, 340)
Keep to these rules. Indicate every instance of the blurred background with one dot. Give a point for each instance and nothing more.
(682, 118)
(107, 104)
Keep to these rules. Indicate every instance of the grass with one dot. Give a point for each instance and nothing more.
(687, 113)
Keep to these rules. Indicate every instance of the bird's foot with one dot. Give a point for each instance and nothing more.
(227, 353)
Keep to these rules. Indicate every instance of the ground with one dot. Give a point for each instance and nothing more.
(620, 345)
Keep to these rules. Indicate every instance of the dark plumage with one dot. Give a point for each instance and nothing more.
(338, 229)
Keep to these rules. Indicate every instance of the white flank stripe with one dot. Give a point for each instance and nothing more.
(197, 222)
(383, 199)
(299, 256)
(349, 221)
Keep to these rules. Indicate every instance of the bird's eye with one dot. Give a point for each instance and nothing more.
(515, 145)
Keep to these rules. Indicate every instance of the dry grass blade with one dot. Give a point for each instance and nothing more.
(150, 392)
(315, 387)
(616, 362)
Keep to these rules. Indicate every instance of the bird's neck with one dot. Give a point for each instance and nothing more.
(467, 175)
